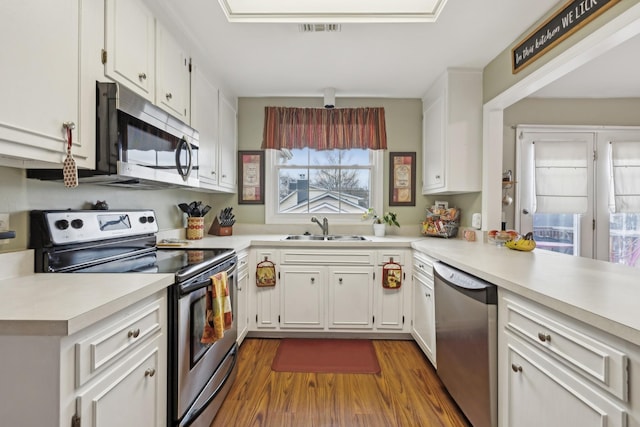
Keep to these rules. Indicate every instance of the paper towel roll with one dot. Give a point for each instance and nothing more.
(476, 220)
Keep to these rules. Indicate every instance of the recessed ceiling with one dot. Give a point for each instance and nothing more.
(332, 11)
(384, 60)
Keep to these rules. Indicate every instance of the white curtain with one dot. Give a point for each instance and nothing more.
(561, 169)
(625, 174)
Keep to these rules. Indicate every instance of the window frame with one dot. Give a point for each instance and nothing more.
(272, 216)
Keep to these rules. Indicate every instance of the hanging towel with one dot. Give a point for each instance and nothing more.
(265, 274)
(218, 316)
(391, 275)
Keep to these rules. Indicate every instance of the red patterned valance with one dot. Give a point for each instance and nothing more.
(324, 129)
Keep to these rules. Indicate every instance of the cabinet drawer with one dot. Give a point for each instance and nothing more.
(243, 263)
(327, 257)
(567, 340)
(423, 264)
(542, 392)
(115, 339)
(390, 255)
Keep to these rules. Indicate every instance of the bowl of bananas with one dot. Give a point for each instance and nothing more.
(522, 243)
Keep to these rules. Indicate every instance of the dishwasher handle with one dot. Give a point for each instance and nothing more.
(471, 286)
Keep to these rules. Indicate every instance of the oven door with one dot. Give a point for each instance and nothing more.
(197, 362)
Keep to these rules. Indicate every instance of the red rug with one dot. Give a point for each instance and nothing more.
(326, 355)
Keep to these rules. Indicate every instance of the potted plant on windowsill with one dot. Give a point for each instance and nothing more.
(380, 222)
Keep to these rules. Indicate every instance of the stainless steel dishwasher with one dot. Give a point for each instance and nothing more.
(466, 342)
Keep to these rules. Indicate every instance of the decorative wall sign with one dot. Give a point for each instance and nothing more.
(251, 177)
(402, 179)
(569, 19)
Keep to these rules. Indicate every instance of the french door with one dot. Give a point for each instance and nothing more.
(569, 191)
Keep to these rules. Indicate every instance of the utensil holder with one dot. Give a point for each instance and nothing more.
(195, 227)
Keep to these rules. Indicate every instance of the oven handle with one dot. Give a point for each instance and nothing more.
(195, 413)
(191, 287)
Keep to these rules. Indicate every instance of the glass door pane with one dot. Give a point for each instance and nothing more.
(624, 239)
(557, 232)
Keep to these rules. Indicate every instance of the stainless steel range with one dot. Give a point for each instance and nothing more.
(199, 376)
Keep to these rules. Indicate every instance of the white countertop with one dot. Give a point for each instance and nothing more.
(599, 293)
(602, 294)
(62, 304)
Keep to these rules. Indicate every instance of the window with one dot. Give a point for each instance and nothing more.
(579, 191)
(338, 184)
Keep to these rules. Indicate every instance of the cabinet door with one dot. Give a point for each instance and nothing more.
(434, 132)
(351, 296)
(539, 392)
(228, 144)
(424, 328)
(302, 290)
(242, 298)
(40, 71)
(389, 312)
(132, 394)
(130, 46)
(267, 299)
(172, 84)
(204, 118)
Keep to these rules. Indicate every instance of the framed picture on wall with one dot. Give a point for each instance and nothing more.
(402, 179)
(251, 177)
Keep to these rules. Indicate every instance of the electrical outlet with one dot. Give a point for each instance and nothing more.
(4, 226)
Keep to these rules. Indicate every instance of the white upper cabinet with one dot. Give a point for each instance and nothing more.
(228, 140)
(215, 119)
(452, 134)
(130, 46)
(41, 70)
(172, 84)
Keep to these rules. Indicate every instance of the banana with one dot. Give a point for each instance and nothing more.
(525, 243)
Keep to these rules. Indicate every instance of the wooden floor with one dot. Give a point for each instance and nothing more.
(407, 392)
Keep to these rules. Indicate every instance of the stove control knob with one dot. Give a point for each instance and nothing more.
(150, 219)
(62, 224)
(143, 219)
(77, 223)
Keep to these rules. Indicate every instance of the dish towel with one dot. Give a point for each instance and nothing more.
(218, 316)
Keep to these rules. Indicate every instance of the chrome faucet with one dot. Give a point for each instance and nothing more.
(324, 225)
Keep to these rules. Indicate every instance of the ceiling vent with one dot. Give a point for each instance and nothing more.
(319, 28)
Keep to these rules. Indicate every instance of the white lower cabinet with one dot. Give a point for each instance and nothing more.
(111, 373)
(351, 296)
(330, 290)
(128, 394)
(556, 371)
(541, 393)
(423, 327)
(242, 295)
(302, 297)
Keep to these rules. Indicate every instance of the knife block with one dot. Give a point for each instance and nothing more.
(217, 230)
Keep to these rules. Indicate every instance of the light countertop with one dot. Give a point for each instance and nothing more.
(599, 293)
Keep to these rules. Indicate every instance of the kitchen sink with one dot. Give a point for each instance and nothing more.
(329, 238)
(304, 237)
(343, 238)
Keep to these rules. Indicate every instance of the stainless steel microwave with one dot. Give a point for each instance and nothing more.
(137, 144)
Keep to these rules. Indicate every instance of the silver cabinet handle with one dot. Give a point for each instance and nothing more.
(133, 333)
(169, 96)
(313, 280)
(516, 368)
(428, 295)
(149, 372)
(142, 76)
(544, 337)
(340, 280)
